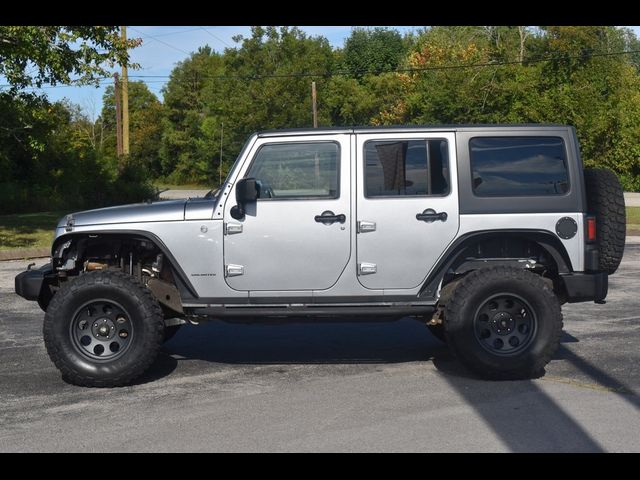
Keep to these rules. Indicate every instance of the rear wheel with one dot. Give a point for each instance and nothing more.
(503, 323)
(103, 329)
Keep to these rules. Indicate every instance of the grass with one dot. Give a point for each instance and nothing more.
(28, 230)
(633, 220)
(34, 230)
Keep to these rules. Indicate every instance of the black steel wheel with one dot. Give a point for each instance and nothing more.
(103, 329)
(503, 323)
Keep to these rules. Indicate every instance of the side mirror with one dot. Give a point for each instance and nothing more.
(247, 191)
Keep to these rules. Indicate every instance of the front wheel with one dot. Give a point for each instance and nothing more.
(103, 329)
(503, 323)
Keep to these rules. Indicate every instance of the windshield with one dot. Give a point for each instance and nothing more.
(216, 191)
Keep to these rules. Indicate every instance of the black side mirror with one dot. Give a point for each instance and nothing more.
(247, 191)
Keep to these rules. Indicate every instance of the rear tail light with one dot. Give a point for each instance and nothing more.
(591, 229)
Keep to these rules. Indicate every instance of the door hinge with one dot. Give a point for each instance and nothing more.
(232, 270)
(232, 228)
(365, 226)
(367, 268)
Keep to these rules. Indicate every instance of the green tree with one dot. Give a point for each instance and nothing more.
(568, 75)
(374, 50)
(34, 55)
(189, 140)
(145, 128)
(254, 86)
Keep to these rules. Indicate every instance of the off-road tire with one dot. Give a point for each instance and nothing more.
(145, 316)
(476, 289)
(605, 200)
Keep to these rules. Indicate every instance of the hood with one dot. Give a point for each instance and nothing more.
(161, 211)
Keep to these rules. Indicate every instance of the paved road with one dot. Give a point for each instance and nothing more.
(176, 194)
(330, 387)
(630, 199)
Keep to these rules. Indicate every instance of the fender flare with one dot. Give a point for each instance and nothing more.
(548, 241)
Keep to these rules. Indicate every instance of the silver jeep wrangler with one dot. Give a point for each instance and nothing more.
(481, 232)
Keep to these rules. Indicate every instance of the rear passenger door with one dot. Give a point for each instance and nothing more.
(407, 206)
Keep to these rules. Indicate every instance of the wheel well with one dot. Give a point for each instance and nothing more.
(134, 254)
(539, 251)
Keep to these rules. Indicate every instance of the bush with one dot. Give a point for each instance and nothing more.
(630, 183)
(79, 189)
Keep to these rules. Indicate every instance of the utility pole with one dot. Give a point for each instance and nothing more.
(220, 166)
(313, 102)
(116, 88)
(125, 102)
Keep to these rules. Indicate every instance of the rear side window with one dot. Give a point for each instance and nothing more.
(406, 168)
(518, 166)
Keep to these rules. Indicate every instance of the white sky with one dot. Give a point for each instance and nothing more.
(164, 46)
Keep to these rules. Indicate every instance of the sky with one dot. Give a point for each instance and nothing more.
(164, 46)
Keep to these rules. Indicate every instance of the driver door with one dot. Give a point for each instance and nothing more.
(283, 243)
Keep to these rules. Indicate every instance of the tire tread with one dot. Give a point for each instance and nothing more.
(136, 291)
(605, 199)
(483, 278)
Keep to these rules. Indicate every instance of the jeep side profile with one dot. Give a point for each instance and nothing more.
(481, 232)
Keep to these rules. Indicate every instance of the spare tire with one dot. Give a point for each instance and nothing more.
(605, 200)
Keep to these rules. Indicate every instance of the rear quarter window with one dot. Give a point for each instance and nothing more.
(518, 166)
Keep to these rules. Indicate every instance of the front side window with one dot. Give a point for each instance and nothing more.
(406, 168)
(297, 170)
(518, 166)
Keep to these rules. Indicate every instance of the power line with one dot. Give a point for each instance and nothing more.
(258, 76)
(215, 36)
(158, 40)
(402, 70)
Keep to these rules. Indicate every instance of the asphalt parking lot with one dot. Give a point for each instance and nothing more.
(330, 387)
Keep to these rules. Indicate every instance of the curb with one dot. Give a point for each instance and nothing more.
(24, 253)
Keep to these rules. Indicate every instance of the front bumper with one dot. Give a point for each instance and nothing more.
(584, 287)
(29, 283)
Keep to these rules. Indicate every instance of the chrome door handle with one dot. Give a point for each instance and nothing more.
(430, 216)
(328, 217)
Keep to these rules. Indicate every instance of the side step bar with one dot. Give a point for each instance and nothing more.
(313, 311)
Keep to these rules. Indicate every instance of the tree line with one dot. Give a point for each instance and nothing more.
(585, 76)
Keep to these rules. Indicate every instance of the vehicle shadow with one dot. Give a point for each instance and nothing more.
(302, 343)
(405, 340)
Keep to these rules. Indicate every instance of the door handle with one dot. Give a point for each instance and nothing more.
(328, 217)
(430, 216)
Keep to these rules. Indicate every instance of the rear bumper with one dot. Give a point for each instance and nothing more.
(585, 287)
(29, 283)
